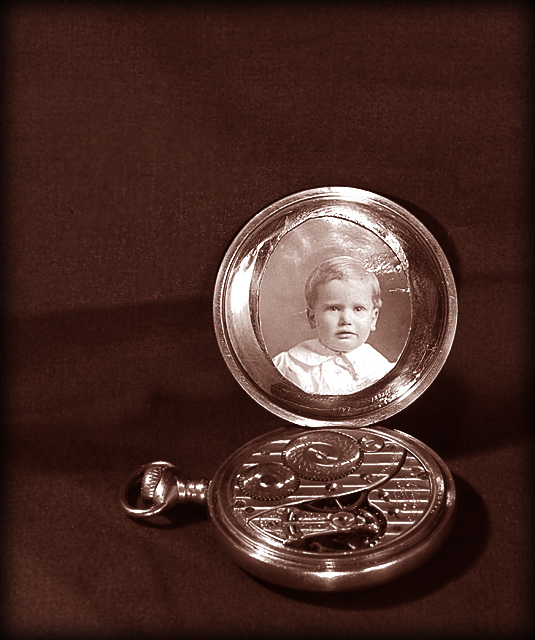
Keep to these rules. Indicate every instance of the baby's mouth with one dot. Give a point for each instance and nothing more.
(345, 334)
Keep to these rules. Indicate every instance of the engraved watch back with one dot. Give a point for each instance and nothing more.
(283, 514)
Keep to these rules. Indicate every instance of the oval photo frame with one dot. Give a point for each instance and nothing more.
(263, 319)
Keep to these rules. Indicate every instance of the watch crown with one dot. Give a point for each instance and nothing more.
(159, 488)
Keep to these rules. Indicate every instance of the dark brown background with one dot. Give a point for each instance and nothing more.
(139, 139)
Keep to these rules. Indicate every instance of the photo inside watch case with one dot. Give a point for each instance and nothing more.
(334, 309)
(282, 301)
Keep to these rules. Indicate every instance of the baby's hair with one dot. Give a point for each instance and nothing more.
(340, 268)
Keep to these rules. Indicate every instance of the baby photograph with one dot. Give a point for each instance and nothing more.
(334, 307)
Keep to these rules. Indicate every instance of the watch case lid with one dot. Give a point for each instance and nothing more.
(335, 307)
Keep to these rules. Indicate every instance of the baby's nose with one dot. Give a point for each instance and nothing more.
(345, 317)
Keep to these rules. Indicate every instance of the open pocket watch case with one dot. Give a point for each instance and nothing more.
(334, 309)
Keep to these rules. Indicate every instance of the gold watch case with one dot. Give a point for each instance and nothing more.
(333, 501)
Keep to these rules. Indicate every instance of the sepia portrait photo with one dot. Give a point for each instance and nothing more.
(334, 307)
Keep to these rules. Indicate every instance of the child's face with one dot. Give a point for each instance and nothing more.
(344, 313)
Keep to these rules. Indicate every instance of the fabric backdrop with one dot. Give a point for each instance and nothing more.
(139, 138)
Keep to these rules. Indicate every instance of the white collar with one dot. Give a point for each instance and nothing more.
(312, 353)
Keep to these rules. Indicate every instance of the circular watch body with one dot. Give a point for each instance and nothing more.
(329, 531)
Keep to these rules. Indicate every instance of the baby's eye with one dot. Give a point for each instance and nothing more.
(359, 308)
(333, 308)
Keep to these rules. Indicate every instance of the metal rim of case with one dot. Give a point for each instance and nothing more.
(433, 307)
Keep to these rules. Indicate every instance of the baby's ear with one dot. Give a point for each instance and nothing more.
(375, 315)
(311, 318)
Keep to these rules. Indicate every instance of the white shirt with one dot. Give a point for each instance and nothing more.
(315, 368)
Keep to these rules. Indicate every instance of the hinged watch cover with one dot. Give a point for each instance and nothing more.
(334, 308)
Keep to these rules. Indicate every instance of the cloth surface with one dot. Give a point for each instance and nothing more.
(140, 138)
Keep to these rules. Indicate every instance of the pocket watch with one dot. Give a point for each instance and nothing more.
(334, 308)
